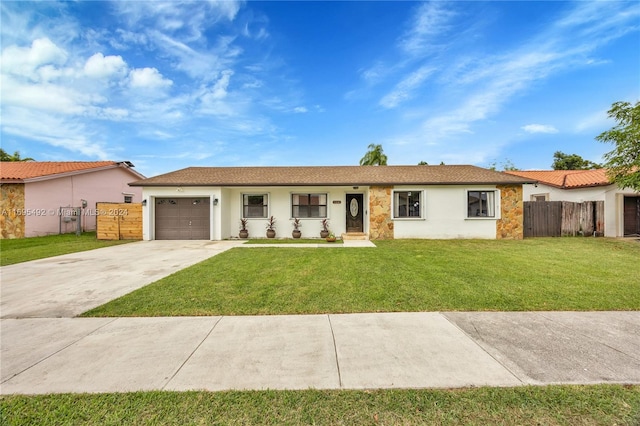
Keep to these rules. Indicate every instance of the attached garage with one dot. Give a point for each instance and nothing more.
(631, 216)
(182, 218)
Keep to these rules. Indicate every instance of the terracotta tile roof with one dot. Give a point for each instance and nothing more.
(330, 176)
(567, 179)
(19, 170)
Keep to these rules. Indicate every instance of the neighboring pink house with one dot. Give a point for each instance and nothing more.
(41, 198)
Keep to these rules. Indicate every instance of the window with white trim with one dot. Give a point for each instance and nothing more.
(255, 205)
(406, 204)
(309, 205)
(481, 203)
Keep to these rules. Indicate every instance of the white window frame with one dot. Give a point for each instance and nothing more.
(264, 195)
(495, 203)
(421, 206)
(326, 205)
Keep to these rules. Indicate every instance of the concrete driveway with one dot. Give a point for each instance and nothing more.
(68, 285)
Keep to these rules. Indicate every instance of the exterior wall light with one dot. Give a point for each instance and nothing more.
(215, 201)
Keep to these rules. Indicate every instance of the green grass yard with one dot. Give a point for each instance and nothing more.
(400, 275)
(25, 249)
(551, 405)
(535, 274)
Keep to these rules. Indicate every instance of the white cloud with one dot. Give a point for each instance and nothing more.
(125, 39)
(594, 121)
(217, 100)
(197, 62)
(52, 130)
(100, 66)
(219, 90)
(404, 90)
(54, 98)
(490, 82)
(300, 110)
(432, 19)
(24, 61)
(539, 128)
(113, 114)
(190, 17)
(376, 73)
(148, 78)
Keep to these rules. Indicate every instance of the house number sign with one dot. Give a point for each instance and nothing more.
(353, 207)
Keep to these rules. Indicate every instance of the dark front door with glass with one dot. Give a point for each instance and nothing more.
(631, 216)
(355, 213)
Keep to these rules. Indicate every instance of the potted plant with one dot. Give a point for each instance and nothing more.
(244, 233)
(296, 225)
(325, 228)
(331, 237)
(271, 227)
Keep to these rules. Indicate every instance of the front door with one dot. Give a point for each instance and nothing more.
(355, 213)
(631, 216)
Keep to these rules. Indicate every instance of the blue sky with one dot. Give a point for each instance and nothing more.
(172, 85)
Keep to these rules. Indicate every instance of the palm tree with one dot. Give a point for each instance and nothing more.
(374, 157)
(4, 156)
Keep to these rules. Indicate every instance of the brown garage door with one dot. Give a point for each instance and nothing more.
(631, 216)
(182, 219)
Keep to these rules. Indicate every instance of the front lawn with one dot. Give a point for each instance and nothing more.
(25, 249)
(402, 275)
(550, 405)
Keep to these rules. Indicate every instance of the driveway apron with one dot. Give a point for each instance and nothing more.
(68, 285)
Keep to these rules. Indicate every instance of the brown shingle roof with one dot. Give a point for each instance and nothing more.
(20, 170)
(331, 176)
(567, 179)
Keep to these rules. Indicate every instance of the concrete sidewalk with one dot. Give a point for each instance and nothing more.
(350, 351)
(343, 244)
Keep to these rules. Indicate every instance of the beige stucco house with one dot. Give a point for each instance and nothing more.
(377, 202)
(51, 197)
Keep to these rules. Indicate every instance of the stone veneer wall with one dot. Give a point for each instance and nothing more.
(12, 207)
(380, 223)
(510, 226)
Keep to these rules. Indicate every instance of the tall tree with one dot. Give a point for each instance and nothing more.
(507, 166)
(623, 162)
(562, 161)
(374, 156)
(4, 156)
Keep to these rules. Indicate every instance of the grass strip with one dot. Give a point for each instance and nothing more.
(551, 405)
(25, 249)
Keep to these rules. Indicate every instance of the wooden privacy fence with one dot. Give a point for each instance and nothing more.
(119, 221)
(563, 218)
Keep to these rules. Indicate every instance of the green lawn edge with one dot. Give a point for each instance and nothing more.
(527, 405)
(13, 251)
